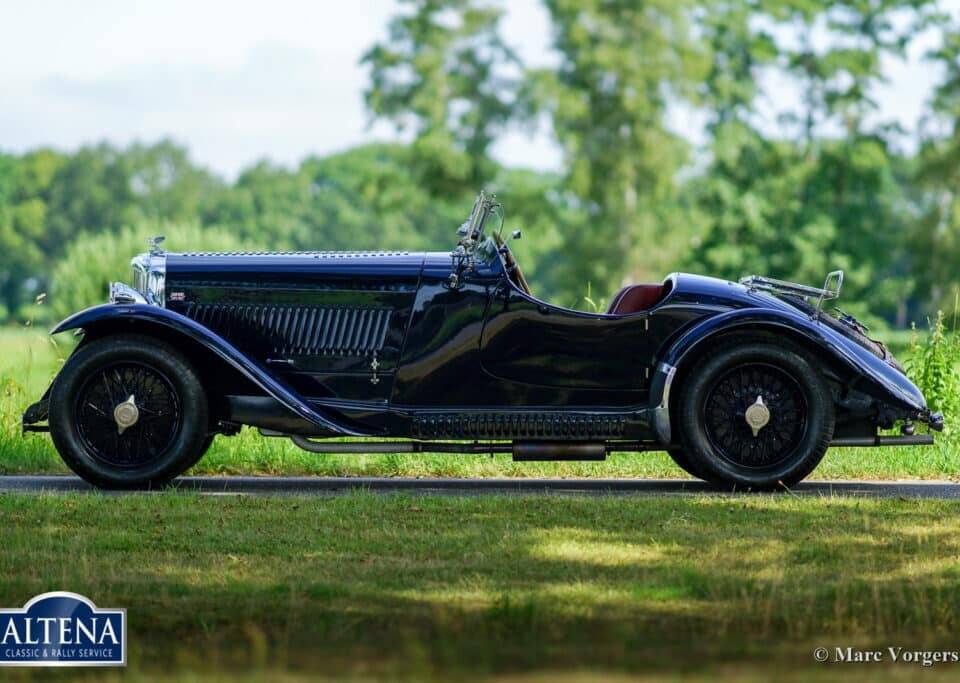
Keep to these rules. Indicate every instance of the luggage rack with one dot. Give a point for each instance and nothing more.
(826, 293)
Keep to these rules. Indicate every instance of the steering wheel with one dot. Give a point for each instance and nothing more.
(511, 266)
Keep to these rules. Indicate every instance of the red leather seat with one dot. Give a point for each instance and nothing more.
(634, 298)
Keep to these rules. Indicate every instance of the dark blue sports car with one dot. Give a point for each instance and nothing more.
(745, 384)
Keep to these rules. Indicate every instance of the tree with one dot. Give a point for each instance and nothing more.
(165, 183)
(267, 205)
(935, 239)
(622, 63)
(105, 188)
(366, 198)
(445, 74)
(25, 245)
(47, 199)
(830, 196)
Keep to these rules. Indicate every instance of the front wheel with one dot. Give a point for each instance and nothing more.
(755, 415)
(683, 462)
(128, 412)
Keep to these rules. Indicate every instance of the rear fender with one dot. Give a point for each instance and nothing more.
(138, 318)
(877, 378)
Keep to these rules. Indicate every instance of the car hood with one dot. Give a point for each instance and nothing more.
(292, 267)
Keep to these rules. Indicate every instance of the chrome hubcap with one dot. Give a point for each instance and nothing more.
(757, 415)
(126, 414)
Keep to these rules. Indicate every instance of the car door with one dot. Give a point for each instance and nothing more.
(530, 341)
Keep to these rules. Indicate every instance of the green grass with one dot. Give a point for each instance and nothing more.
(28, 361)
(433, 587)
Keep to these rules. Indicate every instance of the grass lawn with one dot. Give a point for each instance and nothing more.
(532, 588)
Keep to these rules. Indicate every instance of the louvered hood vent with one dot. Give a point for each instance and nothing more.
(291, 330)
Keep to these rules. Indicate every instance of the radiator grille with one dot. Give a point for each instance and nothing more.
(298, 330)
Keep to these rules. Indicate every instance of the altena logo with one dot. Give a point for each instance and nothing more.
(63, 629)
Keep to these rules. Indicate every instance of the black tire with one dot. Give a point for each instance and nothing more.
(684, 463)
(713, 408)
(171, 424)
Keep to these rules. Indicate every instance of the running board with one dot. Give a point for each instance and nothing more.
(907, 440)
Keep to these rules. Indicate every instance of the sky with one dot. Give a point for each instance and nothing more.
(240, 81)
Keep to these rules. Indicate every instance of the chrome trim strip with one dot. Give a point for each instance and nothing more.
(661, 414)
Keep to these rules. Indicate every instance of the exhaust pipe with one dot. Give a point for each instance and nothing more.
(530, 451)
(883, 440)
(522, 451)
(359, 447)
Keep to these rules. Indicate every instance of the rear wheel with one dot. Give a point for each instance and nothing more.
(204, 447)
(128, 412)
(755, 416)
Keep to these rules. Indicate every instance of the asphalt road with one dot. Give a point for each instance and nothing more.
(633, 487)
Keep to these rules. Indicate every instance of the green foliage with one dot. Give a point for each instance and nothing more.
(47, 200)
(366, 198)
(935, 235)
(26, 241)
(607, 105)
(797, 212)
(82, 277)
(594, 305)
(934, 365)
(445, 73)
(797, 207)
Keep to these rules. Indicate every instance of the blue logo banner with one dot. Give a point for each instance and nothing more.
(63, 629)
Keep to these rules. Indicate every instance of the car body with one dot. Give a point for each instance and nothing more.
(450, 351)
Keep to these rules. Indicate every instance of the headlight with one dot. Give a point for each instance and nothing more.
(125, 294)
(149, 274)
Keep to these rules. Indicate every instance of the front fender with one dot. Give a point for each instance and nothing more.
(130, 317)
(880, 380)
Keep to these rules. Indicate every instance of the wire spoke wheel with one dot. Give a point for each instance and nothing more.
(755, 416)
(128, 414)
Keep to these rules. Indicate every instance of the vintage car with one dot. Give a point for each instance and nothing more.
(745, 384)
